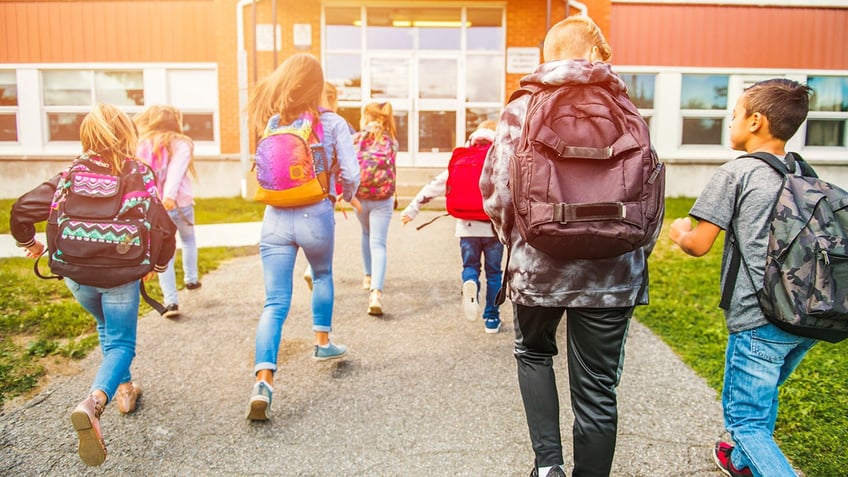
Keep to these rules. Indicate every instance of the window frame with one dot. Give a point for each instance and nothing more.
(12, 110)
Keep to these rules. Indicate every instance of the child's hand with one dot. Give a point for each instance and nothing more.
(679, 228)
(405, 219)
(354, 202)
(35, 250)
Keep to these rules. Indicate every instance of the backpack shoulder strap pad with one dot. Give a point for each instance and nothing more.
(774, 162)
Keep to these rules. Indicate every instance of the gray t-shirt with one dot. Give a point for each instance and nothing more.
(739, 198)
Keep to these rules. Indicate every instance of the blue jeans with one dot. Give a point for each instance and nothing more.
(756, 363)
(183, 218)
(491, 249)
(116, 312)
(284, 231)
(375, 217)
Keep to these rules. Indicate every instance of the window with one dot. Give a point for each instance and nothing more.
(475, 116)
(70, 94)
(8, 106)
(703, 106)
(343, 59)
(438, 131)
(343, 28)
(195, 93)
(640, 88)
(828, 116)
(484, 31)
(484, 60)
(408, 28)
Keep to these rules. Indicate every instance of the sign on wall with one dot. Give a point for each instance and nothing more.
(265, 37)
(522, 59)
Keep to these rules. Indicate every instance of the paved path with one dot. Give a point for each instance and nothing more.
(423, 392)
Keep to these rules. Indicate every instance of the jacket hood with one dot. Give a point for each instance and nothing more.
(576, 72)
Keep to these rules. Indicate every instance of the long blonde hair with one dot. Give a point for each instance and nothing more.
(330, 97)
(382, 114)
(108, 133)
(162, 125)
(290, 90)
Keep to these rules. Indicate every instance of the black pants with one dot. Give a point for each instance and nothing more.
(595, 344)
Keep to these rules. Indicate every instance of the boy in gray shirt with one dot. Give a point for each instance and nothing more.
(739, 199)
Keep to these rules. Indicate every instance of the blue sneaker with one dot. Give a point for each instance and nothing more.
(331, 351)
(260, 402)
(493, 325)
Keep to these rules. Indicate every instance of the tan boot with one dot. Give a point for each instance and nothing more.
(86, 421)
(375, 303)
(127, 397)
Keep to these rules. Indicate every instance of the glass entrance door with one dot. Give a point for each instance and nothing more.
(424, 93)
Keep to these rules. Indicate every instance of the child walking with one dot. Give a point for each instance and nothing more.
(170, 153)
(739, 199)
(476, 239)
(376, 148)
(109, 143)
(293, 92)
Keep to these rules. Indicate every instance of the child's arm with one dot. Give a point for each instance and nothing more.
(435, 188)
(694, 241)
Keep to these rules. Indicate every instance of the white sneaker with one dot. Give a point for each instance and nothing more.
(470, 307)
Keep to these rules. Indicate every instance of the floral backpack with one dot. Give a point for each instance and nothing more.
(376, 165)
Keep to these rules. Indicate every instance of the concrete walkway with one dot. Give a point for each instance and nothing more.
(423, 392)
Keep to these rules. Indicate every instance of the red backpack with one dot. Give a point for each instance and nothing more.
(462, 192)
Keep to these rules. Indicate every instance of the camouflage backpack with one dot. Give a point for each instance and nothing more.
(805, 289)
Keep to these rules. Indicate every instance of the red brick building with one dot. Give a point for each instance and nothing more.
(444, 66)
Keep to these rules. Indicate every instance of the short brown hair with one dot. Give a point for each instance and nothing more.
(784, 102)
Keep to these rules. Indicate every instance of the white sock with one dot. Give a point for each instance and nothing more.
(543, 471)
(325, 346)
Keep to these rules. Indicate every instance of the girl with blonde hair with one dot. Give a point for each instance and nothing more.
(108, 139)
(170, 153)
(376, 148)
(293, 91)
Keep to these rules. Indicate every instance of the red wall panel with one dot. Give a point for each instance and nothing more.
(729, 36)
(107, 31)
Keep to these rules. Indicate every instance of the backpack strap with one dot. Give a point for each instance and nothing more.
(38, 272)
(792, 158)
(527, 88)
(159, 307)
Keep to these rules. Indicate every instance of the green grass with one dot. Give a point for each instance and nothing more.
(207, 211)
(685, 292)
(39, 318)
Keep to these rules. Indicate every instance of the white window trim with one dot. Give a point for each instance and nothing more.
(666, 122)
(32, 114)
